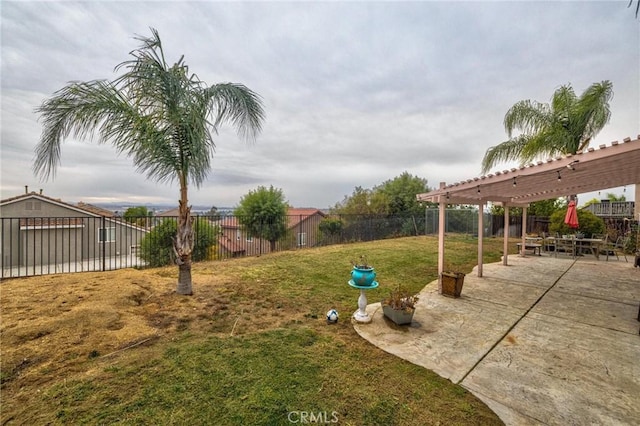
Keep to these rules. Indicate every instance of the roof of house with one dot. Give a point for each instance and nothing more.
(174, 212)
(228, 222)
(230, 245)
(95, 209)
(294, 217)
(81, 207)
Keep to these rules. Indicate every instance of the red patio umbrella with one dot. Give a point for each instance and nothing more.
(571, 218)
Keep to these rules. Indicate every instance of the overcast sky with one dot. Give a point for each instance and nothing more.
(355, 93)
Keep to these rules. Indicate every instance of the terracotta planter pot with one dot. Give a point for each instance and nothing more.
(452, 283)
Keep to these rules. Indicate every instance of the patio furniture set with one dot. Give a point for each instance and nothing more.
(575, 246)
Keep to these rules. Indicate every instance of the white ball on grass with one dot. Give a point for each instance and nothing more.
(332, 316)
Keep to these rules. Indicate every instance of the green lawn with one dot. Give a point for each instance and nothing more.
(251, 347)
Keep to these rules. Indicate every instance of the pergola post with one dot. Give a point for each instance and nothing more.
(505, 243)
(524, 230)
(441, 224)
(636, 213)
(480, 236)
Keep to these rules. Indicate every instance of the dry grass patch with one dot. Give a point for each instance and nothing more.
(71, 344)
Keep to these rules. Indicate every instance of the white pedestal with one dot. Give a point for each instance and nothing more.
(361, 315)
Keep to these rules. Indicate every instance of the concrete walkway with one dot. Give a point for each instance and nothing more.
(544, 340)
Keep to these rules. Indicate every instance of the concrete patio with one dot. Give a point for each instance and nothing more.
(545, 340)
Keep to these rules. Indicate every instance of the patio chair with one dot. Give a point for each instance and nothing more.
(548, 243)
(565, 246)
(614, 248)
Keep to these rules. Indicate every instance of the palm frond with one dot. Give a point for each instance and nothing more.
(548, 143)
(506, 151)
(637, 6)
(564, 126)
(592, 110)
(237, 104)
(563, 100)
(78, 109)
(527, 116)
(154, 113)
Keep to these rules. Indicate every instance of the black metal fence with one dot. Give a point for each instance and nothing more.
(52, 245)
(39, 245)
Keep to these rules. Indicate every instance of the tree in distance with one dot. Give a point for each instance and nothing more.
(137, 215)
(262, 213)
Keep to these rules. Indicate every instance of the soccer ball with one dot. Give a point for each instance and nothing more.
(332, 316)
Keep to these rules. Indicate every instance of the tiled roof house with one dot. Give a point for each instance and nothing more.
(302, 224)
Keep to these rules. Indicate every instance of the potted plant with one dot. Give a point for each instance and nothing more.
(452, 283)
(399, 305)
(362, 273)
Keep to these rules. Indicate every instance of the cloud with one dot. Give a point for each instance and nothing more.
(355, 93)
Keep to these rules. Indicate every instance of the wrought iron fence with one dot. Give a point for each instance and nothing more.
(52, 245)
(45, 245)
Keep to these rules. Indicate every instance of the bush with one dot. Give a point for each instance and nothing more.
(157, 246)
(330, 230)
(589, 223)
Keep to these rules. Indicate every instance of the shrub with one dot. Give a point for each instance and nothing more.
(589, 223)
(157, 246)
(330, 230)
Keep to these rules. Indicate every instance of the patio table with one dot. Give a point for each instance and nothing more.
(581, 245)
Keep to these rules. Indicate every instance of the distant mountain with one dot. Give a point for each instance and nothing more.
(158, 208)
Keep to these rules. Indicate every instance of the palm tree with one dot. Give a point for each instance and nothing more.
(158, 115)
(565, 126)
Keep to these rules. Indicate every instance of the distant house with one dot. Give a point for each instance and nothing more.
(302, 226)
(43, 235)
(232, 242)
(175, 212)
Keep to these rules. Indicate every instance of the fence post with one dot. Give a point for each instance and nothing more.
(103, 234)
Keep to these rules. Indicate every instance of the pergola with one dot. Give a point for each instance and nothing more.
(591, 170)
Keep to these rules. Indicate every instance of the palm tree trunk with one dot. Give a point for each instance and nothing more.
(184, 279)
(183, 243)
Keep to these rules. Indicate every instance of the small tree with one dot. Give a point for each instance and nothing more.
(544, 208)
(156, 248)
(393, 197)
(589, 223)
(213, 213)
(137, 215)
(616, 198)
(263, 214)
(400, 193)
(362, 202)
